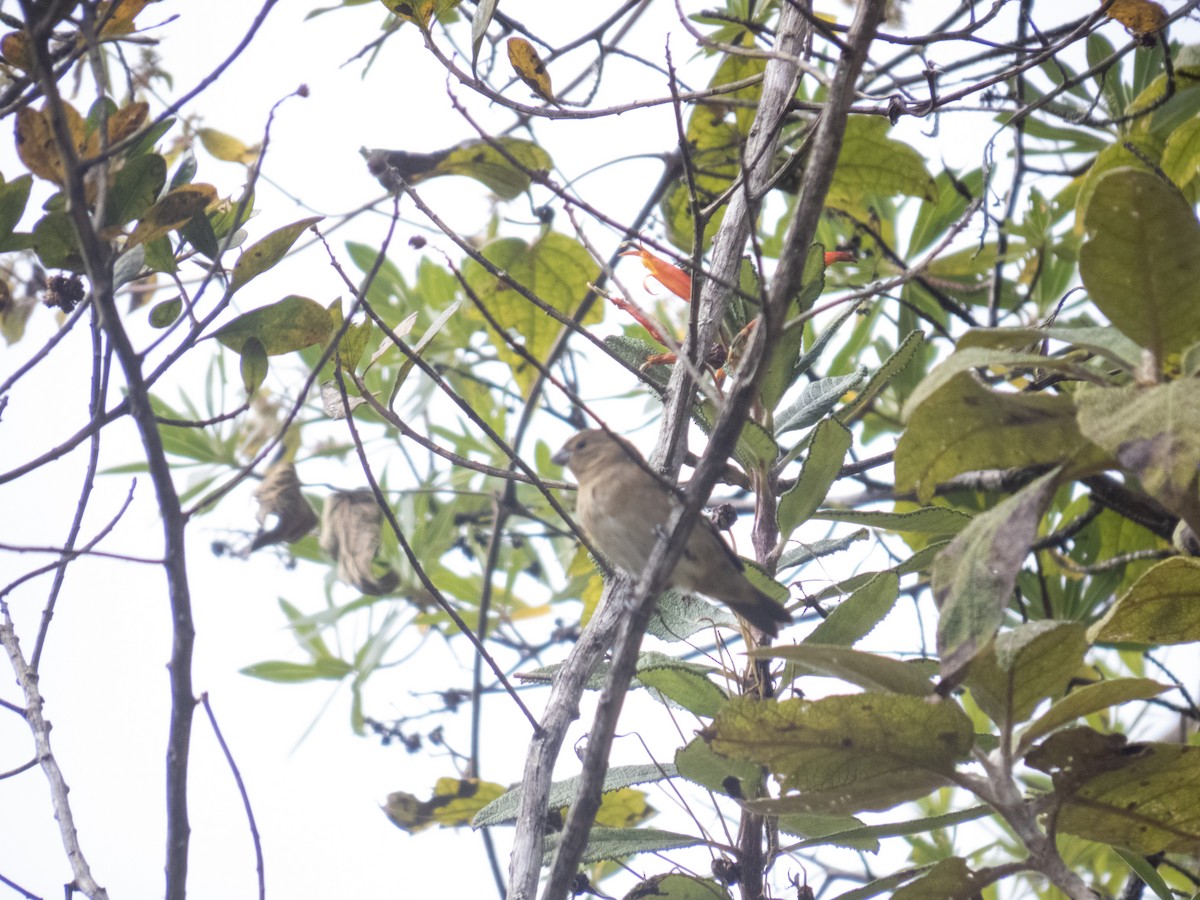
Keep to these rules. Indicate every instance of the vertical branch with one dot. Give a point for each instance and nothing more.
(97, 257)
(27, 678)
(779, 87)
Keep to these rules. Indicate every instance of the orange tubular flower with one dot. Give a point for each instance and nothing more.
(837, 256)
(670, 276)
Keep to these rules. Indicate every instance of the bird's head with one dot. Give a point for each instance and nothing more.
(590, 450)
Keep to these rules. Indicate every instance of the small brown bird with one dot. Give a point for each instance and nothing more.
(622, 507)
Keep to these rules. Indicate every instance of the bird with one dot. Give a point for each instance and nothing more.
(622, 508)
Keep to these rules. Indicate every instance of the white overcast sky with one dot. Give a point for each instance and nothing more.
(104, 671)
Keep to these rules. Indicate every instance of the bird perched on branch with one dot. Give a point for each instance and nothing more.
(622, 508)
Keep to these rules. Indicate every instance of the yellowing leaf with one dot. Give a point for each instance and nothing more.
(506, 165)
(36, 145)
(14, 47)
(121, 124)
(422, 12)
(174, 209)
(624, 808)
(117, 16)
(454, 802)
(226, 147)
(529, 66)
(1140, 17)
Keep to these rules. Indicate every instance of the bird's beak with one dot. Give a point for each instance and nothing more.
(561, 457)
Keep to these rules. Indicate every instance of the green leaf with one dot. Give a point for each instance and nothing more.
(920, 561)
(871, 163)
(129, 266)
(856, 616)
(935, 217)
(484, 11)
(164, 314)
(867, 670)
(1162, 607)
(150, 137)
(817, 349)
(892, 366)
(1145, 871)
(965, 427)
(884, 885)
(185, 172)
(408, 363)
(505, 168)
(831, 831)
(55, 243)
(562, 793)
(264, 254)
(507, 165)
(157, 255)
(14, 195)
(1103, 340)
(949, 879)
(1084, 701)
(199, 233)
(827, 451)
(557, 269)
(675, 886)
(803, 553)
(135, 189)
(1139, 796)
(855, 837)
(307, 632)
(845, 754)
(1130, 153)
(353, 343)
(733, 778)
(1154, 434)
(929, 520)
(755, 449)
(679, 683)
(971, 358)
(716, 137)
(618, 843)
(199, 444)
(784, 366)
(1025, 666)
(817, 399)
(254, 364)
(291, 324)
(324, 669)
(678, 616)
(1141, 262)
(973, 577)
(1181, 156)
